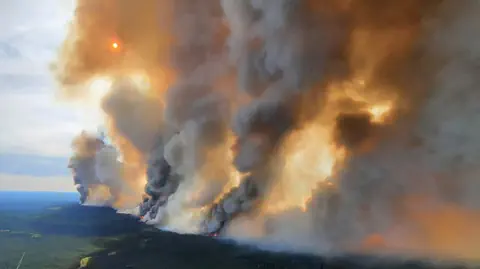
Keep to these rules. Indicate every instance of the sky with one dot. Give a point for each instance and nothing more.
(36, 129)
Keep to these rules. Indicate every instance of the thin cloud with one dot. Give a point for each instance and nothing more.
(33, 165)
(8, 51)
(34, 124)
(10, 182)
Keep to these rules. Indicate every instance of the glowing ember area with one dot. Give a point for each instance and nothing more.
(374, 241)
(307, 122)
(379, 112)
(235, 177)
(309, 156)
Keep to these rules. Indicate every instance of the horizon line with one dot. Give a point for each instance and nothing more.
(52, 191)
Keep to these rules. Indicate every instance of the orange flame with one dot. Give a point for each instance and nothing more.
(310, 157)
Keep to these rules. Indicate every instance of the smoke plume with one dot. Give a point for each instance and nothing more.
(321, 125)
(97, 173)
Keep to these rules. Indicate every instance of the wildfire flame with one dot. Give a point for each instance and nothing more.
(235, 177)
(360, 69)
(310, 157)
(379, 112)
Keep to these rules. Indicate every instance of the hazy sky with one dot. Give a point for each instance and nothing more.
(35, 129)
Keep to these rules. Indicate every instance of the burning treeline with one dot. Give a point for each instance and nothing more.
(330, 125)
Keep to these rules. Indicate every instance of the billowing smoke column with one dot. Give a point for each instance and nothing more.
(271, 44)
(97, 171)
(82, 164)
(328, 124)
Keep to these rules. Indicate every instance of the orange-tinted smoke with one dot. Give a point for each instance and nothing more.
(114, 40)
(444, 231)
(140, 30)
(134, 161)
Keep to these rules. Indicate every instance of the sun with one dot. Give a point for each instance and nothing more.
(115, 45)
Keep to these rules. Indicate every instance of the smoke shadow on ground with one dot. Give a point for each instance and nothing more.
(159, 250)
(81, 221)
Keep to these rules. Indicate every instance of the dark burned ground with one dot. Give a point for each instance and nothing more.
(163, 250)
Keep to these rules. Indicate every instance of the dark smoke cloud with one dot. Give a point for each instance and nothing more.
(388, 191)
(240, 89)
(97, 172)
(126, 104)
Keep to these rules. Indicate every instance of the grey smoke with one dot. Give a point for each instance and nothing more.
(135, 117)
(94, 165)
(260, 70)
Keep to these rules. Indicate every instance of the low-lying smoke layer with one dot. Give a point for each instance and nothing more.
(331, 125)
